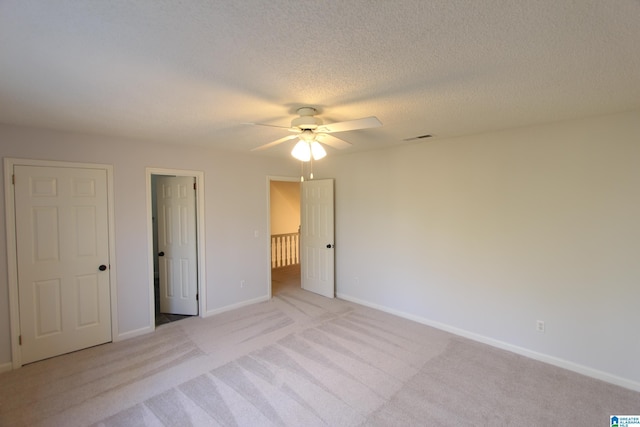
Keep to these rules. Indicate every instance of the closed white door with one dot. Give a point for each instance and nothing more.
(63, 259)
(177, 250)
(316, 237)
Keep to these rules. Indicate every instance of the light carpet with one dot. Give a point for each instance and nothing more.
(303, 360)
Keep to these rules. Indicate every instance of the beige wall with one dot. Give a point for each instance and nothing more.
(285, 207)
(480, 235)
(235, 208)
(484, 235)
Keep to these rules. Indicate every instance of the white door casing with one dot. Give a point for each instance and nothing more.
(62, 248)
(177, 245)
(317, 237)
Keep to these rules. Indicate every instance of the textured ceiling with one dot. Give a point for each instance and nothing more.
(192, 72)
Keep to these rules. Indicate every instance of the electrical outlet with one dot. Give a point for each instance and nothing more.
(540, 326)
(242, 283)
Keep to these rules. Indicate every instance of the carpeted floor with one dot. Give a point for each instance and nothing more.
(303, 360)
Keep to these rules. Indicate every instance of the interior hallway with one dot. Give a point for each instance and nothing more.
(285, 278)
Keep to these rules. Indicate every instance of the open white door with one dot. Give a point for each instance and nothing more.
(177, 245)
(316, 237)
(62, 232)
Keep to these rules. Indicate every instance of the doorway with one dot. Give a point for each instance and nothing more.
(175, 200)
(284, 226)
(313, 208)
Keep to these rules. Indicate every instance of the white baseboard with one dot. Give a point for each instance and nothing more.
(234, 306)
(147, 329)
(555, 361)
(4, 367)
(132, 334)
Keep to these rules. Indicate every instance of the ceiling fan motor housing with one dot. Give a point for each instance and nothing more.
(306, 119)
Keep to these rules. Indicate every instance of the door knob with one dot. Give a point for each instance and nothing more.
(329, 246)
(102, 267)
(161, 254)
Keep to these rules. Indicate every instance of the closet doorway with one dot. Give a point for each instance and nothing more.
(175, 219)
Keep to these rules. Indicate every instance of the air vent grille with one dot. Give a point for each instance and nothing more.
(415, 138)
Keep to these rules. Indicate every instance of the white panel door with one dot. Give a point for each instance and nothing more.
(177, 252)
(316, 237)
(63, 259)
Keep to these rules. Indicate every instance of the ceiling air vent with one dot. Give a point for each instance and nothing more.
(415, 138)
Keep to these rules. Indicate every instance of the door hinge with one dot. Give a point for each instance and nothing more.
(194, 185)
(13, 179)
(19, 339)
(197, 297)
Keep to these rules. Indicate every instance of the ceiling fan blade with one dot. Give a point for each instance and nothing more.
(290, 129)
(364, 123)
(276, 142)
(332, 141)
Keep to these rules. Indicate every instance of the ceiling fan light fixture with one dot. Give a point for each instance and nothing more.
(317, 150)
(305, 150)
(302, 151)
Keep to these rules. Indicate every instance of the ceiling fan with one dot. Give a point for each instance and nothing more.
(310, 129)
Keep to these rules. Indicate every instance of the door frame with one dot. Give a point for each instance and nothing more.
(12, 255)
(200, 236)
(269, 179)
